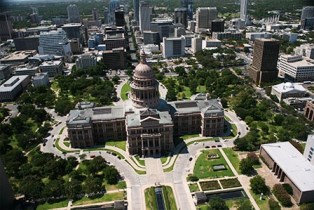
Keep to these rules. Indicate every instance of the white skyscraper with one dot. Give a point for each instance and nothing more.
(73, 14)
(145, 16)
(243, 10)
(54, 43)
(205, 17)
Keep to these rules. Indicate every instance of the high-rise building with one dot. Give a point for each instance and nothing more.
(180, 16)
(136, 5)
(218, 25)
(6, 28)
(72, 30)
(265, 57)
(73, 14)
(196, 44)
(85, 61)
(6, 193)
(145, 16)
(204, 17)
(307, 12)
(164, 26)
(106, 13)
(188, 4)
(115, 58)
(173, 47)
(119, 16)
(95, 14)
(113, 5)
(307, 17)
(243, 10)
(54, 43)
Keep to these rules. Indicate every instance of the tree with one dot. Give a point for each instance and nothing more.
(253, 158)
(278, 119)
(54, 188)
(31, 187)
(73, 188)
(92, 185)
(111, 175)
(258, 185)
(282, 195)
(63, 106)
(246, 166)
(171, 94)
(217, 203)
(96, 165)
(273, 205)
(115, 79)
(244, 204)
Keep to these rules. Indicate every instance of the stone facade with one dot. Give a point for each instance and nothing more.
(146, 122)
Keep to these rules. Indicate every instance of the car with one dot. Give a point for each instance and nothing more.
(190, 159)
(219, 145)
(44, 144)
(213, 146)
(207, 147)
(239, 133)
(92, 156)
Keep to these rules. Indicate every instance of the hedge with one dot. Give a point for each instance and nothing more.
(282, 195)
(273, 205)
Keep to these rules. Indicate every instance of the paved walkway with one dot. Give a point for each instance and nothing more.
(244, 180)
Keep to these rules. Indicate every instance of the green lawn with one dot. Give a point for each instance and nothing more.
(125, 89)
(104, 198)
(230, 183)
(189, 136)
(210, 185)
(233, 203)
(233, 157)
(164, 159)
(194, 187)
(263, 204)
(170, 201)
(203, 166)
(117, 143)
(150, 198)
(140, 160)
(121, 185)
(234, 129)
(47, 205)
(67, 143)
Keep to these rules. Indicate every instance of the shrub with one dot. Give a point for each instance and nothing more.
(273, 205)
(282, 195)
(307, 206)
(193, 178)
(288, 188)
(253, 158)
(246, 166)
(258, 185)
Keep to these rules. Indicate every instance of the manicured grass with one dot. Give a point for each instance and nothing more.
(201, 89)
(234, 129)
(189, 136)
(121, 185)
(164, 159)
(233, 157)
(61, 130)
(125, 89)
(47, 205)
(67, 143)
(233, 203)
(105, 198)
(140, 160)
(202, 140)
(150, 198)
(121, 144)
(230, 183)
(170, 202)
(263, 204)
(210, 185)
(194, 188)
(203, 166)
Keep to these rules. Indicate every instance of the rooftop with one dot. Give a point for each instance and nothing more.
(292, 162)
(12, 83)
(288, 87)
(19, 55)
(51, 63)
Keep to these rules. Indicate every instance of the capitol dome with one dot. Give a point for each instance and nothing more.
(143, 70)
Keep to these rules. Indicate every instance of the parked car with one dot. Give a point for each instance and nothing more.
(219, 145)
(190, 159)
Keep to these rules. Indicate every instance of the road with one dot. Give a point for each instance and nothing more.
(136, 184)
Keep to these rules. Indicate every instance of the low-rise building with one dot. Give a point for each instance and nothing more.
(309, 110)
(41, 79)
(13, 87)
(26, 43)
(197, 44)
(258, 35)
(18, 57)
(85, 61)
(173, 47)
(115, 58)
(5, 71)
(227, 35)
(287, 90)
(53, 68)
(309, 149)
(26, 70)
(291, 167)
(297, 103)
(296, 68)
(213, 43)
(306, 50)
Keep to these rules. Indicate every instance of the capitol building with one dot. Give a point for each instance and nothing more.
(147, 122)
